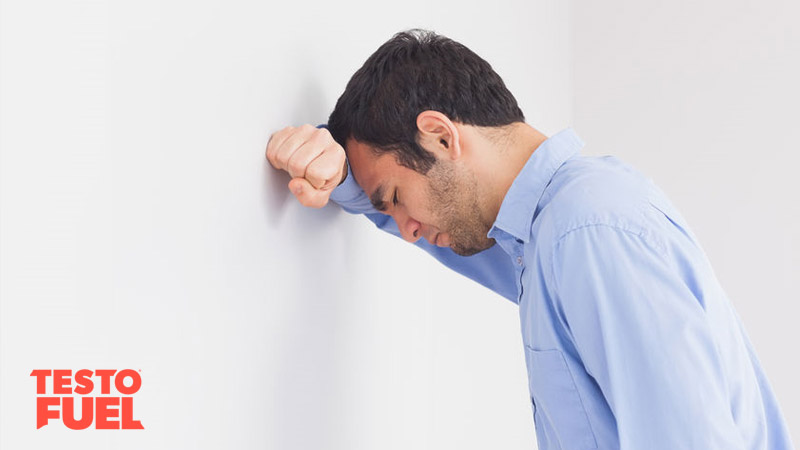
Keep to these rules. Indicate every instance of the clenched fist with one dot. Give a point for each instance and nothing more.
(315, 161)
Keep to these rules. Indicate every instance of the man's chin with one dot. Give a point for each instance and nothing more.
(469, 251)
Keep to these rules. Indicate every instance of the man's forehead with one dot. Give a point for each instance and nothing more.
(361, 157)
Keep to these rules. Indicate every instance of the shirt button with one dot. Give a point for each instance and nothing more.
(519, 241)
(519, 260)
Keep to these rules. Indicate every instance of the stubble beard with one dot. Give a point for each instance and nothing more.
(455, 201)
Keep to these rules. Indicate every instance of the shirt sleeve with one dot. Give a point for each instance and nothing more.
(645, 338)
(492, 267)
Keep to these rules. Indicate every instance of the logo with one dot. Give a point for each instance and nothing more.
(93, 390)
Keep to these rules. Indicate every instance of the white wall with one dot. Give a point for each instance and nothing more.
(141, 227)
(702, 97)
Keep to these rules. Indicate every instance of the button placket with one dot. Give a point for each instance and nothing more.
(520, 268)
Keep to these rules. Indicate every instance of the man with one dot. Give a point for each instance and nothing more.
(630, 342)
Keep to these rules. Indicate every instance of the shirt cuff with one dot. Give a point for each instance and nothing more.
(348, 190)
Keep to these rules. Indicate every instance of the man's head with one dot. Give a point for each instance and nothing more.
(416, 118)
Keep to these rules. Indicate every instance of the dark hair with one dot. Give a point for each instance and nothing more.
(414, 71)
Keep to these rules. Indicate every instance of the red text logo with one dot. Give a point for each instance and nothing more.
(58, 391)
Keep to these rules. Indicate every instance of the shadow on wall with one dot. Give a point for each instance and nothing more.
(307, 371)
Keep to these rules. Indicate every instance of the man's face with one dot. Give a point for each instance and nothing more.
(442, 207)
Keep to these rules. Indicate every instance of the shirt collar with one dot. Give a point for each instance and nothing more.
(519, 204)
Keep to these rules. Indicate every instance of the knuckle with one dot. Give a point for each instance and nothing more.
(271, 158)
(336, 150)
(281, 135)
(322, 133)
(317, 173)
(312, 170)
(296, 167)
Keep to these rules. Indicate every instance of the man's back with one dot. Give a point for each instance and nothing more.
(630, 340)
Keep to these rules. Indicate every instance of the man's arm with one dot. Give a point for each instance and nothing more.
(319, 169)
(645, 338)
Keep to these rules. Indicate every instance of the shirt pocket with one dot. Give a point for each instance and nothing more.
(558, 409)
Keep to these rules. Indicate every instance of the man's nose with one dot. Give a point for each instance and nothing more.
(410, 229)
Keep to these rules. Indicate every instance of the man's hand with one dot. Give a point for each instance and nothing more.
(315, 161)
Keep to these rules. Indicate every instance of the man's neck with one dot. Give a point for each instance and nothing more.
(507, 161)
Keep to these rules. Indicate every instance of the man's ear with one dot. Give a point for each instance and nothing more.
(438, 134)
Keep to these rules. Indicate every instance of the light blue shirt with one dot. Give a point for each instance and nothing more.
(630, 342)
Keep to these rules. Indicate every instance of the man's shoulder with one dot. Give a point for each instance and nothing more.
(593, 191)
